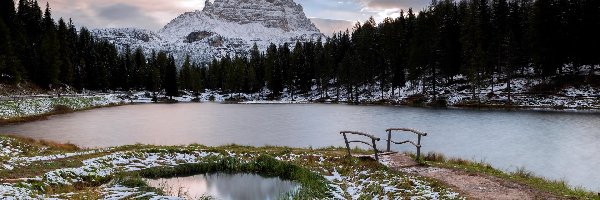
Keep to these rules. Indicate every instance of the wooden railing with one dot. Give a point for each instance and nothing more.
(417, 144)
(372, 144)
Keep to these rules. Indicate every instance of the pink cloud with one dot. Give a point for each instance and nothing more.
(150, 14)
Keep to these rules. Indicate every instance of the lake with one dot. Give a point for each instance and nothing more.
(226, 187)
(557, 145)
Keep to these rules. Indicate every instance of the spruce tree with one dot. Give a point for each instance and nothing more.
(50, 59)
(171, 87)
(65, 45)
(7, 12)
(10, 67)
(185, 74)
(297, 68)
(257, 65)
(273, 72)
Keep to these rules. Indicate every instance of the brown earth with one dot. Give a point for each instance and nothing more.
(472, 185)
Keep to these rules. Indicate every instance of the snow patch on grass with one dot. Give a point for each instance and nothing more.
(101, 167)
(40, 105)
(345, 181)
(25, 161)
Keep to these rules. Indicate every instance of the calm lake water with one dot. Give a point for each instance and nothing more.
(226, 186)
(556, 145)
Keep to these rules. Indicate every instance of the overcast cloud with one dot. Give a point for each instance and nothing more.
(153, 14)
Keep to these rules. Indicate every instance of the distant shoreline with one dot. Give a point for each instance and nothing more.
(64, 109)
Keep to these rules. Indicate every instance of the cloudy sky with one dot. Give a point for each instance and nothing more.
(153, 14)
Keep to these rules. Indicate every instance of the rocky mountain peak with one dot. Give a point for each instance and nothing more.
(223, 27)
(283, 14)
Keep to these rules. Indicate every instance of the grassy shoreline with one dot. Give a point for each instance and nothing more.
(44, 116)
(559, 188)
(323, 173)
(18, 111)
(62, 109)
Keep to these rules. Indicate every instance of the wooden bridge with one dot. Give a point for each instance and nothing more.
(372, 140)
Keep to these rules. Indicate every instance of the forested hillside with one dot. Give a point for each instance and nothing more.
(477, 46)
(33, 47)
(478, 41)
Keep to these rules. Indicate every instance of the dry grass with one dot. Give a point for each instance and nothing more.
(55, 146)
(434, 157)
(61, 109)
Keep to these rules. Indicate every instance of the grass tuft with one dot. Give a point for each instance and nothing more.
(51, 145)
(434, 157)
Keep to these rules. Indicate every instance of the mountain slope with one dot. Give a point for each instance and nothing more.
(224, 27)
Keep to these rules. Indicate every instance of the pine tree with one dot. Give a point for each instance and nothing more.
(106, 56)
(185, 74)
(319, 66)
(171, 87)
(7, 12)
(544, 37)
(250, 80)
(85, 65)
(257, 65)
(162, 62)
(65, 45)
(137, 68)
(50, 59)
(283, 69)
(29, 20)
(10, 68)
(591, 29)
(7, 59)
(297, 68)
(307, 74)
(273, 72)
(152, 75)
(328, 67)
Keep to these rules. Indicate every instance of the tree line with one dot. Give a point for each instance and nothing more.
(488, 41)
(33, 47)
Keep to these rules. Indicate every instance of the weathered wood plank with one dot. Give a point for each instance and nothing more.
(360, 133)
(407, 129)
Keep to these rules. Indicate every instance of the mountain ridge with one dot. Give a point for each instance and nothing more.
(221, 28)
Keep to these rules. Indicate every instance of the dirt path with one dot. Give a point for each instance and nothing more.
(474, 186)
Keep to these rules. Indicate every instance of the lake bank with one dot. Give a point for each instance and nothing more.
(19, 109)
(118, 172)
(546, 143)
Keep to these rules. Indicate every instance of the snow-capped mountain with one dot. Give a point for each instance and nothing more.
(222, 27)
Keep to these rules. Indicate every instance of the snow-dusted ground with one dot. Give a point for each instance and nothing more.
(29, 106)
(583, 97)
(352, 184)
(24, 161)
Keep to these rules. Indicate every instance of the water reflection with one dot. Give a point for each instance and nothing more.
(226, 186)
(551, 144)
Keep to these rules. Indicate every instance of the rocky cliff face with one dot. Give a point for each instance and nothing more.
(222, 27)
(281, 14)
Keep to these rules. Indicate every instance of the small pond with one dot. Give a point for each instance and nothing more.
(226, 186)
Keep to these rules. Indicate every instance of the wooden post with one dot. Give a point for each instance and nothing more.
(419, 147)
(389, 140)
(375, 149)
(347, 144)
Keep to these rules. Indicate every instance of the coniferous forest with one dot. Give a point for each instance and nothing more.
(486, 41)
(35, 48)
